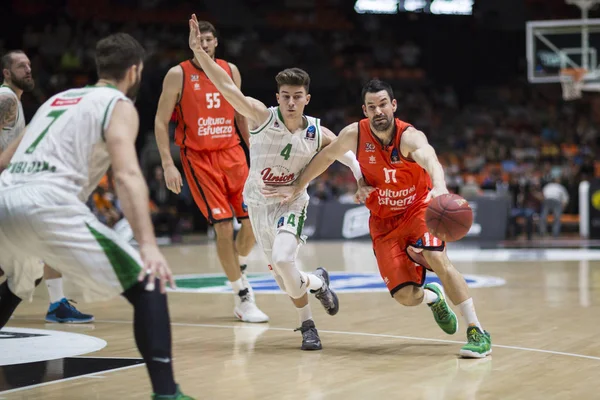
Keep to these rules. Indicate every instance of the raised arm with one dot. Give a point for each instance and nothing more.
(256, 112)
(348, 158)
(170, 95)
(414, 144)
(241, 121)
(132, 190)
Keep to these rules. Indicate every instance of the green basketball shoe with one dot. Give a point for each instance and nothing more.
(177, 396)
(479, 344)
(443, 314)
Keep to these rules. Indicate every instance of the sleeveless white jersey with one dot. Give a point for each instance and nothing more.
(64, 143)
(10, 133)
(277, 157)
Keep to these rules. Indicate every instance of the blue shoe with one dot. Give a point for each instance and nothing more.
(64, 312)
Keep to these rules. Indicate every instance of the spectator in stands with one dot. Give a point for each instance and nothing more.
(470, 189)
(555, 200)
(525, 200)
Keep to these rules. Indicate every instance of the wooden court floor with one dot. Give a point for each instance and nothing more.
(542, 308)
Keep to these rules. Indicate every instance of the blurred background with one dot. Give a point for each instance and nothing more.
(457, 67)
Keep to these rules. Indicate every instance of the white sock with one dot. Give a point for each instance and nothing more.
(304, 313)
(429, 296)
(55, 289)
(243, 259)
(314, 282)
(237, 286)
(467, 309)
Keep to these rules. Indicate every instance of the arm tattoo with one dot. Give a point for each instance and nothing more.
(8, 110)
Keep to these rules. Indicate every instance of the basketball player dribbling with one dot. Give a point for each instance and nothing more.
(401, 174)
(18, 78)
(213, 161)
(282, 143)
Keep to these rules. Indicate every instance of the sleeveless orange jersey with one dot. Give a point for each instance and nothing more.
(205, 120)
(400, 183)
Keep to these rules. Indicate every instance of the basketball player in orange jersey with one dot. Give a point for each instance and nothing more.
(399, 166)
(213, 161)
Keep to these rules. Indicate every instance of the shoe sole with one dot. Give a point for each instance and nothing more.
(258, 321)
(320, 347)
(441, 289)
(67, 321)
(472, 354)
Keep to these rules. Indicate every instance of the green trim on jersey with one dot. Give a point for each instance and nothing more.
(301, 220)
(106, 115)
(318, 126)
(124, 266)
(262, 127)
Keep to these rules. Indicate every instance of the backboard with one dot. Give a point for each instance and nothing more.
(557, 44)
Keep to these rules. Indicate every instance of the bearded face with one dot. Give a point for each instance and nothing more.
(19, 72)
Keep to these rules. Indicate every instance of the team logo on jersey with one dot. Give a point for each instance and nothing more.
(311, 133)
(58, 102)
(280, 222)
(273, 177)
(395, 157)
(372, 160)
(196, 86)
(369, 147)
(194, 78)
(276, 124)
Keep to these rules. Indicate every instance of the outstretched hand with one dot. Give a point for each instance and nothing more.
(194, 39)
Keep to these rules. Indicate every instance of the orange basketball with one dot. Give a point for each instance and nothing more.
(449, 217)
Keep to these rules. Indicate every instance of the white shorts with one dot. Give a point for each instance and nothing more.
(270, 219)
(39, 222)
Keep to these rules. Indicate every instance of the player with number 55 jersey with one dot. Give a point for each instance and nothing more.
(213, 161)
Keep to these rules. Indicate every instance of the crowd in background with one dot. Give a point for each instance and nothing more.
(493, 131)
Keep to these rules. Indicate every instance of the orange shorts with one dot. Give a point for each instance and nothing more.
(216, 180)
(391, 238)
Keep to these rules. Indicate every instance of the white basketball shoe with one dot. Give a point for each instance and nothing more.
(246, 309)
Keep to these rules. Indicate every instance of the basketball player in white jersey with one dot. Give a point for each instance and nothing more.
(16, 72)
(62, 155)
(282, 143)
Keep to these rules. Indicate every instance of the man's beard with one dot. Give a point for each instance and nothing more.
(133, 91)
(25, 84)
(382, 125)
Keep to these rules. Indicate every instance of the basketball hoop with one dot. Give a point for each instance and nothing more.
(571, 80)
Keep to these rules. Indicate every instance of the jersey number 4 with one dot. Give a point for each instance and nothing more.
(285, 153)
(54, 114)
(213, 100)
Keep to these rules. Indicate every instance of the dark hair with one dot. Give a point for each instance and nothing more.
(206, 26)
(374, 86)
(7, 59)
(293, 77)
(115, 54)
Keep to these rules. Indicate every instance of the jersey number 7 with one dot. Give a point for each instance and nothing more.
(54, 114)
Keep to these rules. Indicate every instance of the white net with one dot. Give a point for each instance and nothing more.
(571, 80)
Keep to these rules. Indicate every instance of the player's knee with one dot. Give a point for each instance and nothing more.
(408, 296)
(224, 230)
(438, 261)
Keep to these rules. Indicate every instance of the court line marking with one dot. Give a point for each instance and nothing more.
(381, 335)
(68, 379)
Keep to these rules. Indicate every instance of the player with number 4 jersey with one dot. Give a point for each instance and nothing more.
(282, 142)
